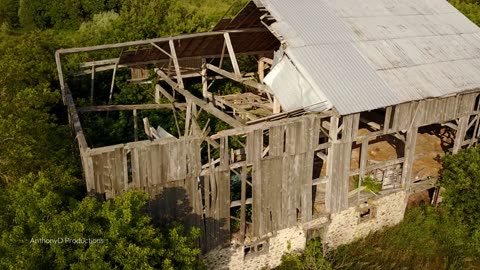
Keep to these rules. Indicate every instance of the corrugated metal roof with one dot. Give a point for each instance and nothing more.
(364, 55)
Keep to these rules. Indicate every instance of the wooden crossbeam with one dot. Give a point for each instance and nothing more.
(201, 103)
(247, 82)
(157, 40)
(160, 61)
(160, 49)
(106, 108)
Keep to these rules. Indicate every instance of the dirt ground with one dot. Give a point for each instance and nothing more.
(430, 148)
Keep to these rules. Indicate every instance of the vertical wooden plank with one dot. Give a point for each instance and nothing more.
(460, 133)
(205, 92)
(243, 198)
(119, 172)
(386, 124)
(254, 152)
(410, 146)
(363, 165)
(135, 125)
(175, 63)
(276, 141)
(135, 168)
(312, 126)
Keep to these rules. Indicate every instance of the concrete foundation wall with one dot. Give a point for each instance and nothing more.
(341, 228)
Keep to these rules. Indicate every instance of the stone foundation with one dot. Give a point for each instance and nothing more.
(341, 228)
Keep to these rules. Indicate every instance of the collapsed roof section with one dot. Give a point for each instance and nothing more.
(362, 55)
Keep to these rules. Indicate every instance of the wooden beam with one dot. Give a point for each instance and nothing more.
(410, 146)
(175, 63)
(264, 125)
(113, 83)
(231, 53)
(164, 92)
(75, 120)
(58, 61)
(160, 49)
(209, 107)
(205, 92)
(106, 108)
(157, 40)
(99, 62)
(247, 82)
(460, 134)
(160, 61)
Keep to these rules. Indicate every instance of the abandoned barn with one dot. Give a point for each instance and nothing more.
(347, 112)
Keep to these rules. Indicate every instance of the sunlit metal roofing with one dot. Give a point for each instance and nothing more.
(368, 54)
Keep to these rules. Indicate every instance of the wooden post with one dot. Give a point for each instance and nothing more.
(363, 165)
(92, 85)
(410, 146)
(205, 92)
(388, 116)
(113, 83)
(58, 61)
(135, 125)
(188, 117)
(243, 197)
(460, 134)
(233, 58)
(175, 63)
(157, 94)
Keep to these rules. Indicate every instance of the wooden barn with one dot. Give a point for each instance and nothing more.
(348, 111)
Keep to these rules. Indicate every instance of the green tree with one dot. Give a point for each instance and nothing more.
(461, 179)
(38, 207)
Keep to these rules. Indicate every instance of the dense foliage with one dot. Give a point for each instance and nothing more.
(41, 188)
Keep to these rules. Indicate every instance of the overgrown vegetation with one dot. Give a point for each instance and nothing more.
(447, 237)
(41, 188)
(42, 194)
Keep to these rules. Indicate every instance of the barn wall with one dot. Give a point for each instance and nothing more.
(277, 163)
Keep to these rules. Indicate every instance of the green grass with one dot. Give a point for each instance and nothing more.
(427, 238)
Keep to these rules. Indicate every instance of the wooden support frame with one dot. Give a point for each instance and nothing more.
(201, 103)
(248, 82)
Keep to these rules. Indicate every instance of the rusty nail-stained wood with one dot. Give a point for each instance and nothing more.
(175, 63)
(201, 103)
